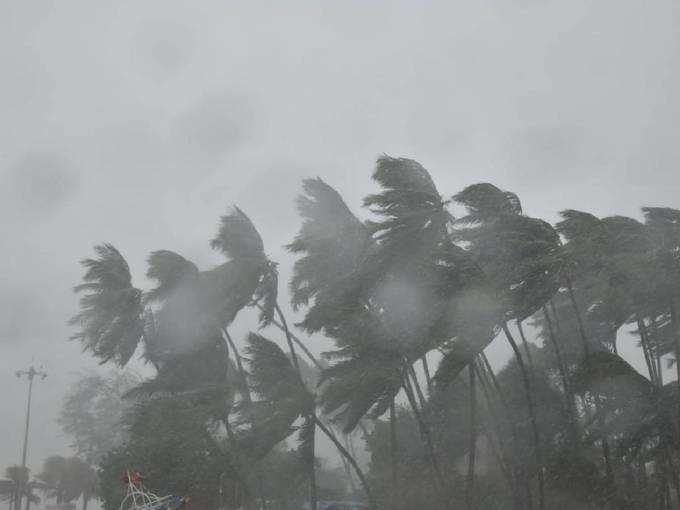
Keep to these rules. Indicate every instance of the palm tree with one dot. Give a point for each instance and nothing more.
(68, 478)
(411, 282)
(285, 399)
(663, 226)
(110, 321)
(380, 290)
(18, 481)
(183, 321)
(519, 257)
(608, 275)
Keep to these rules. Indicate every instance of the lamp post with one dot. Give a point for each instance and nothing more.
(30, 375)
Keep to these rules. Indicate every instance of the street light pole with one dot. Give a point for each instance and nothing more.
(30, 374)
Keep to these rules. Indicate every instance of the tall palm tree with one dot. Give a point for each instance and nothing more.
(608, 274)
(285, 399)
(380, 289)
(663, 225)
(111, 310)
(18, 486)
(519, 256)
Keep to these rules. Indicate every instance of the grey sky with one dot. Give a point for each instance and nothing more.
(138, 123)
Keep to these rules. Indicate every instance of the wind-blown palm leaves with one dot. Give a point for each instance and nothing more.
(633, 411)
(366, 290)
(513, 263)
(520, 257)
(192, 306)
(608, 259)
(283, 398)
(333, 244)
(181, 319)
(387, 304)
(368, 373)
(110, 319)
(415, 216)
(331, 238)
(387, 292)
(518, 254)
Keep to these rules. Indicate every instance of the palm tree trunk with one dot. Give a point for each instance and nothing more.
(551, 302)
(428, 378)
(491, 427)
(312, 469)
(86, 500)
(345, 464)
(239, 365)
(579, 319)
(427, 439)
(656, 342)
(350, 459)
(297, 341)
(416, 385)
(493, 378)
(647, 352)
(395, 500)
(518, 471)
(472, 449)
(532, 415)
(586, 351)
(669, 468)
(566, 384)
(313, 492)
(675, 330)
(289, 339)
(525, 344)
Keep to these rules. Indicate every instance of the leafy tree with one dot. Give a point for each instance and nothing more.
(566, 417)
(18, 480)
(170, 444)
(92, 412)
(68, 478)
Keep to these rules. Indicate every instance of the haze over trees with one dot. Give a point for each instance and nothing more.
(410, 299)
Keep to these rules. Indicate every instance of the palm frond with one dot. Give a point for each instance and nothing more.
(579, 225)
(306, 442)
(110, 321)
(332, 241)
(283, 397)
(266, 294)
(415, 216)
(361, 384)
(237, 237)
(485, 202)
(169, 270)
(230, 287)
(603, 372)
(474, 316)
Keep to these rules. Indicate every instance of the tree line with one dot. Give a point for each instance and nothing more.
(65, 479)
(409, 299)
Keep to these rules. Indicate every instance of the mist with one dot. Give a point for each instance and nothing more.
(141, 125)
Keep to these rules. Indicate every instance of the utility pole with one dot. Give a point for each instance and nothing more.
(30, 375)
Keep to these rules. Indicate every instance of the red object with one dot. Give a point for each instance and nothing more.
(133, 477)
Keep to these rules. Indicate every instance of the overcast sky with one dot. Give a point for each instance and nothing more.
(140, 122)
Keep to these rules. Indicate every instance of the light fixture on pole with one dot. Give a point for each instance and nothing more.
(30, 375)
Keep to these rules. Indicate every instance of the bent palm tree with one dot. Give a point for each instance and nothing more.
(519, 257)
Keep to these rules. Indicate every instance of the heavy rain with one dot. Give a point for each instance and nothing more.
(340, 255)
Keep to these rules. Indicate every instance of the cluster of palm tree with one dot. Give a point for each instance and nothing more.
(569, 424)
(18, 487)
(63, 478)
